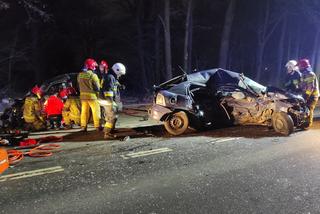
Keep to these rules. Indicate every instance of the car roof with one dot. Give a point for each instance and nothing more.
(220, 76)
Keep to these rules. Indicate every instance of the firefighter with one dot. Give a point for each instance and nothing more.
(293, 77)
(89, 87)
(103, 68)
(71, 111)
(53, 108)
(32, 111)
(111, 94)
(309, 86)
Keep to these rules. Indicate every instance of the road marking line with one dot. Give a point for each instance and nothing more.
(32, 173)
(146, 153)
(225, 140)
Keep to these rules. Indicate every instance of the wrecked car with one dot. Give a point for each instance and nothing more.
(217, 97)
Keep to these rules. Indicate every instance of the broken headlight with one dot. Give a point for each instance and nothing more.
(160, 100)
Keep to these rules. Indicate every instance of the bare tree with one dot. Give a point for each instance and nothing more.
(224, 48)
(167, 39)
(188, 37)
(281, 47)
(269, 23)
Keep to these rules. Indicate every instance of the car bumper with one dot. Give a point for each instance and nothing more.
(157, 112)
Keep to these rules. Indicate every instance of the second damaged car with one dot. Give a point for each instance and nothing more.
(218, 97)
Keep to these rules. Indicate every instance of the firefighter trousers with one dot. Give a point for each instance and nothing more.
(110, 113)
(86, 105)
(68, 118)
(311, 103)
(35, 124)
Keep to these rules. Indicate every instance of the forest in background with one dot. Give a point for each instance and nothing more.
(155, 39)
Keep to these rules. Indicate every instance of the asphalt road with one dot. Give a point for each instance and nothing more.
(232, 170)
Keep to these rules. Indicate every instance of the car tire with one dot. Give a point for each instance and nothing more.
(177, 123)
(282, 123)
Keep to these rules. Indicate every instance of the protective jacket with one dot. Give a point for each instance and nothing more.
(31, 109)
(72, 105)
(110, 87)
(53, 106)
(89, 85)
(309, 84)
(293, 81)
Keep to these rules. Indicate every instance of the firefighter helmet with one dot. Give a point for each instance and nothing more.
(304, 64)
(90, 64)
(292, 65)
(104, 64)
(119, 69)
(36, 91)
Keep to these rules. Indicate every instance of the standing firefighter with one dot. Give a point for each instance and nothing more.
(111, 94)
(103, 68)
(309, 86)
(89, 87)
(293, 77)
(32, 113)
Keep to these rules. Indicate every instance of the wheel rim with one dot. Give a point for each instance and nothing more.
(176, 122)
(279, 124)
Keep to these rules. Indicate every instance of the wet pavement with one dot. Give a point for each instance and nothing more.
(246, 169)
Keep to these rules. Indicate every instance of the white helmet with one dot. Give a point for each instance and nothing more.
(292, 65)
(119, 69)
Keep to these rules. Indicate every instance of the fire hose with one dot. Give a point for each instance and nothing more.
(36, 150)
(15, 156)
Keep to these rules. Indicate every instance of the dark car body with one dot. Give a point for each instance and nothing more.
(220, 97)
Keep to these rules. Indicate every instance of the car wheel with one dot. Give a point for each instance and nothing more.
(177, 123)
(282, 123)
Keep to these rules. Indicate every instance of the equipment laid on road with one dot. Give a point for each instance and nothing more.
(15, 156)
(12, 137)
(4, 162)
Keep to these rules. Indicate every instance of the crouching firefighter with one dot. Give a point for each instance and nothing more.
(110, 89)
(71, 111)
(32, 112)
(309, 87)
(89, 87)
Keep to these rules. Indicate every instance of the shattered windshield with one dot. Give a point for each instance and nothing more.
(245, 82)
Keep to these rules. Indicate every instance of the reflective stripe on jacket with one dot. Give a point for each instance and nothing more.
(89, 85)
(309, 84)
(110, 85)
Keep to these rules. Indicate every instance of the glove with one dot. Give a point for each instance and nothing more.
(122, 87)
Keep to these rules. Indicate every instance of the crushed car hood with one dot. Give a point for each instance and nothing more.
(280, 94)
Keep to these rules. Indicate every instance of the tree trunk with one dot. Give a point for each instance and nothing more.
(296, 44)
(11, 58)
(167, 38)
(188, 38)
(280, 63)
(35, 52)
(260, 52)
(224, 48)
(140, 47)
(157, 52)
(315, 48)
(316, 54)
